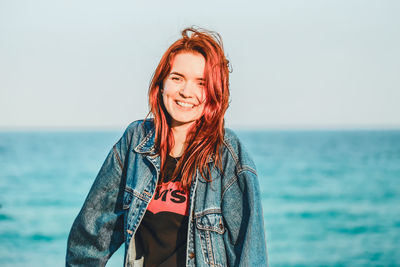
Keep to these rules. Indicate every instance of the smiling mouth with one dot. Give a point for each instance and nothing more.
(185, 105)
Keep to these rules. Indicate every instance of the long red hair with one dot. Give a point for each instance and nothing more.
(205, 137)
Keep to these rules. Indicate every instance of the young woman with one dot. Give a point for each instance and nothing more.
(178, 189)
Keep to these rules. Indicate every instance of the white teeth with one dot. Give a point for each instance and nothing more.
(183, 104)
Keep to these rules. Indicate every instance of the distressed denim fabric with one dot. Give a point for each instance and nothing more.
(226, 226)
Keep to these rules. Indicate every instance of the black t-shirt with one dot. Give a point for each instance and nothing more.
(162, 234)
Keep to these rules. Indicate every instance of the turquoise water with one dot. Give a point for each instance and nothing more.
(330, 198)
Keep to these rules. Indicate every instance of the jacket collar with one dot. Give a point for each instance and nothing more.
(146, 146)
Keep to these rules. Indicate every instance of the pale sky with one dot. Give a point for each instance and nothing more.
(296, 64)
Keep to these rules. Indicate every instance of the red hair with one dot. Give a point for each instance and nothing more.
(205, 137)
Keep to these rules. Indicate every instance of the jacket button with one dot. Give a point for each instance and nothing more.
(191, 255)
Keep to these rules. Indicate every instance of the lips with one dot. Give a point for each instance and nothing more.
(184, 104)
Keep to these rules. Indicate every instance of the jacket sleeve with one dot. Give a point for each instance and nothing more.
(97, 231)
(243, 218)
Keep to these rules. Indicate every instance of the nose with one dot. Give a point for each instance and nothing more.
(186, 90)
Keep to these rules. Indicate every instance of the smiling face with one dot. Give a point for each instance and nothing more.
(183, 90)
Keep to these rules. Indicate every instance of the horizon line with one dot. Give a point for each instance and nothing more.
(238, 127)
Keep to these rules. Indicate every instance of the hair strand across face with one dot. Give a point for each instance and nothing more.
(205, 138)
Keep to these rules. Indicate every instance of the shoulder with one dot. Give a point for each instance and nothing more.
(140, 127)
(234, 147)
(136, 132)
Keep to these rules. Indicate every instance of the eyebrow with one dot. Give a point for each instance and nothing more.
(183, 76)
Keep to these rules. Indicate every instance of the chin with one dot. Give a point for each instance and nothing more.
(182, 121)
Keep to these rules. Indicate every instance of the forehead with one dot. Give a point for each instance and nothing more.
(189, 64)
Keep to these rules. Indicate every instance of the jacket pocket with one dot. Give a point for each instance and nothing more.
(128, 196)
(210, 229)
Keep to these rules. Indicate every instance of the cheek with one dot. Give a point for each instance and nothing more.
(164, 99)
(166, 92)
(201, 96)
(169, 89)
(201, 108)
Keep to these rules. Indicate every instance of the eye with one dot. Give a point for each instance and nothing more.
(202, 84)
(176, 78)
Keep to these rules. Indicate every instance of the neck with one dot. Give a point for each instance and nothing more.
(180, 133)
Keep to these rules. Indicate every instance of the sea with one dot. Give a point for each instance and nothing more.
(329, 197)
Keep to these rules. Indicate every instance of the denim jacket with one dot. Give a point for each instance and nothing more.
(226, 226)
